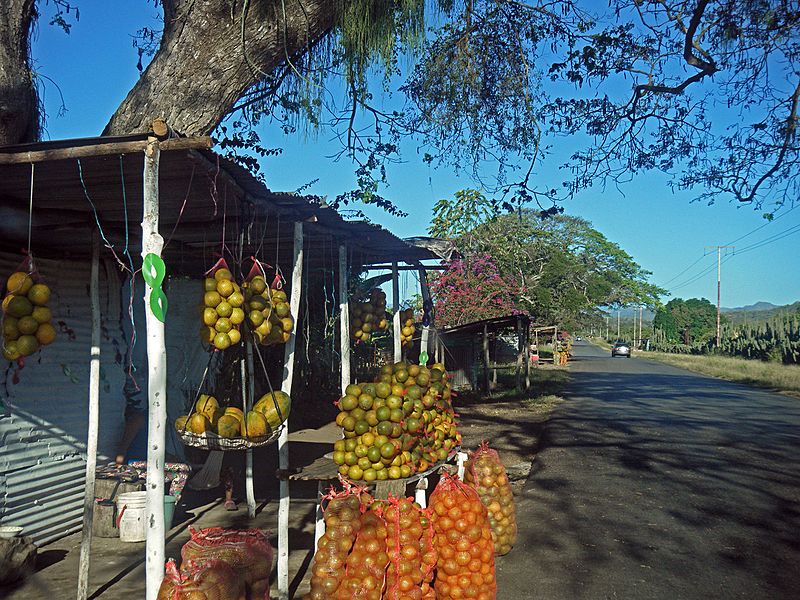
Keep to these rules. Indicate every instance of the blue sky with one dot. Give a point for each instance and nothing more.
(95, 66)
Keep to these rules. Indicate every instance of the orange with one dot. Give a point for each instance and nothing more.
(224, 309)
(19, 283)
(222, 341)
(10, 351)
(223, 274)
(235, 336)
(237, 316)
(209, 284)
(27, 345)
(212, 299)
(209, 316)
(10, 330)
(39, 294)
(46, 334)
(225, 287)
(18, 306)
(42, 314)
(258, 285)
(27, 325)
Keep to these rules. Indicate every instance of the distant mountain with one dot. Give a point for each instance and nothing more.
(753, 307)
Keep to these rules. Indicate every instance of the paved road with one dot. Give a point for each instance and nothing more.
(653, 482)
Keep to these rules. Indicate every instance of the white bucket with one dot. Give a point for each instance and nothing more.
(132, 516)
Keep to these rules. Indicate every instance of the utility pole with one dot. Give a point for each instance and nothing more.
(607, 318)
(719, 286)
(617, 323)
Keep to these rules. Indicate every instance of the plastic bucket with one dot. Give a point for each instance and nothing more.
(169, 511)
(132, 516)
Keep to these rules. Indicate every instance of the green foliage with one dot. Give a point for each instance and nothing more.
(692, 321)
(557, 268)
(457, 217)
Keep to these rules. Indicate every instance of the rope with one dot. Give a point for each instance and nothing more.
(108, 244)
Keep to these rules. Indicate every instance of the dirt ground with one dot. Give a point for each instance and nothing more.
(512, 424)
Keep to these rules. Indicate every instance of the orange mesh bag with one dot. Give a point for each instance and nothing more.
(365, 571)
(209, 580)
(247, 551)
(465, 568)
(485, 472)
(407, 572)
(342, 522)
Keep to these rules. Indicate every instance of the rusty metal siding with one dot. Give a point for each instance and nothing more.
(460, 361)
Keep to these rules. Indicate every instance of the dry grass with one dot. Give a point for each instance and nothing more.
(783, 378)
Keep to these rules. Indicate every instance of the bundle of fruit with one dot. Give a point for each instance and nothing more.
(465, 566)
(268, 313)
(486, 474)
(366, 565)
(412, 558)
(222, 308)
(342, 523)
(208, 580)
(231, 423)
(407, 327)
(26, 317)
(246, 551)
(401, 424)
(368, 318)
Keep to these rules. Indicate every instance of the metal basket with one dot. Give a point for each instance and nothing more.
(212, 441)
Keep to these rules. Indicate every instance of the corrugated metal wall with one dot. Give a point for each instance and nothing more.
(44, 427)
(43, 431)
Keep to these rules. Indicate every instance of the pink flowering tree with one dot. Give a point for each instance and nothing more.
(472, 289)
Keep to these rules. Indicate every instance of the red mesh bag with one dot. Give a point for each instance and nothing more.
(247, 551)
(485, 472)
(365, 571)
(465, 566)
(342, 522)
(410, 560)
(209, 580)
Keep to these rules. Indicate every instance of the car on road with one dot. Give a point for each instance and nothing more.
(579, 339)
(621, 349)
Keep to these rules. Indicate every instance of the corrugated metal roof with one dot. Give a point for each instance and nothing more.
(202, 194)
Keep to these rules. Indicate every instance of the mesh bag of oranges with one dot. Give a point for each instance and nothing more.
(485, 472)
(222, 311)
(365, 570)
(465, 566)
(269, 316)
(342, 522)
(26, 316)
(206, 580)
(246, 551)
(412, 555)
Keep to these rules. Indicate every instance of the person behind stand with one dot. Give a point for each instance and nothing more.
(132, 447)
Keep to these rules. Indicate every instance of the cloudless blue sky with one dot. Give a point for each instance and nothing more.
(95, 66)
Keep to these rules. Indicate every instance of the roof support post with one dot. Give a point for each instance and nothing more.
(486, 387)
(344, 318)
(520, 353)
(153, 243)
(94, 411)
(283, 439)
(397, 326)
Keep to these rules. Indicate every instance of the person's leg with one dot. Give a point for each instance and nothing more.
(134, 421)
(227, 482)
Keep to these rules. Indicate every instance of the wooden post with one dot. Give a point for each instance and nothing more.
(520, 341)
(344, 320)
(153, 243)
(426, 297)
(283, 439)
(94, 410)
(248, 392)
(555, 343)
(527, 355)
(486, 360)
(397, 326)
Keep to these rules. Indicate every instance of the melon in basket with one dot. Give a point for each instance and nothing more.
(257, 426)
(266, 406)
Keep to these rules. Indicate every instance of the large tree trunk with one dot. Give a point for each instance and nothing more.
(200, 69)
(19, 103)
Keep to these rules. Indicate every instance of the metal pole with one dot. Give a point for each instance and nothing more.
(247, 403)
(94, 410)
(719, 290)
(152, 243)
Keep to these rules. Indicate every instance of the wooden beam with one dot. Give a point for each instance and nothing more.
(94, 412)
(405, 267)
(426, 297)
(152, 242)
(101, 149)
(283, 439)
(486, 387)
